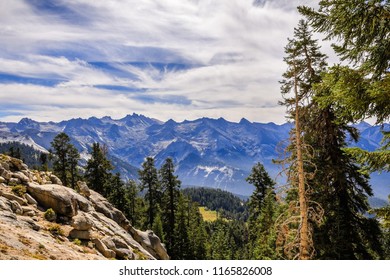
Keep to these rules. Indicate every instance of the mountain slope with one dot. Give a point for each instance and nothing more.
(81, 225)
(207, 152)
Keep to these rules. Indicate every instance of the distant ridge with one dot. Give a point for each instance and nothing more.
(207, 152)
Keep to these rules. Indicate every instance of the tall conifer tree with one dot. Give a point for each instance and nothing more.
(66, 159)
(97, 171)
(149, 181)
(260, 207)
(305, 63)
(170, 186)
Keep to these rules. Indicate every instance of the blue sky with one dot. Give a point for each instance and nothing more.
(179, 59)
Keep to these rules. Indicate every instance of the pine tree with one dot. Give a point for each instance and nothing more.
(15, 153)
(197, 234)
(220, 244)
(157, 227)
(362, 29)
(170, 186)
(60, 145)
(116, 192)
(340, 187)
(133, 206)
(351, 94)
(181, 245)
(262, 182)
(66, 159)
(43, 160)
(149, 182)
(73, 160)
(305, 63)
(97, 171)
(263, 247)
(362, 90)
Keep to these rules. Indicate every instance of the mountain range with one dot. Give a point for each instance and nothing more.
(207, 152)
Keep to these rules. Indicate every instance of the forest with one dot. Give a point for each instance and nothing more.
(322, 212)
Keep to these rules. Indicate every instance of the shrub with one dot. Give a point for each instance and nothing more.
(56, 229)
(19, 190)
(50, 215)
(77, 242)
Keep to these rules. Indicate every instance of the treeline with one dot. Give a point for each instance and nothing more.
(155, 202)
(26, 153)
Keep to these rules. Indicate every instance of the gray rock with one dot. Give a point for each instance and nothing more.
(18, 164)
(64, 201)
(13, 197)
(6, 174)
(102, 248)
(123, 253)
(19, 175)
(83, 189)
(55, 180)
(27, 173)
(54, 196)
(30, 213)
(119, 243)
(5, 205)
(14, 181)
(80, 234)
(30, 223)
(109, 242)
(30, 199)
(2, 180)
(27, 211)
(81, 221)
(16, 208)
(83, 204)
(4, 166)
(151, 243)
(101, 205)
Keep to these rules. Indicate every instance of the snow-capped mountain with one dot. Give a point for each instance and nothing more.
(207, 152)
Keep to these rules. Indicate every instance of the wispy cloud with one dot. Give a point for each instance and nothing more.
(179, 59)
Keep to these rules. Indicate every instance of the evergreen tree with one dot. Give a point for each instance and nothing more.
(170, 185)
(181, 245)
(60, 145)
(264, 246)
(66, 159)
(149, 182)
(353, 93)
(363, 32)
(73, 159)
(305, 63)
(263, 183)
(340, 187)
(157, 228)
(116, 192)
(383, 213)
(221, 244)
(97, 171)
(134, 204)
(43, 159)
(197, 234)
(15, 153)
(362, 28)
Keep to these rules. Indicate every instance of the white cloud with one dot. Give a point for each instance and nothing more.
(234, 48)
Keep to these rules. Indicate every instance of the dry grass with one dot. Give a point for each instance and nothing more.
(208, 215)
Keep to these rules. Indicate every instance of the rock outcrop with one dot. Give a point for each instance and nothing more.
(87, 225)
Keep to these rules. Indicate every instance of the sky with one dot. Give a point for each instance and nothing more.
(171, 59)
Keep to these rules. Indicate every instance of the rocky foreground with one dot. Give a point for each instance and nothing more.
(82, 225)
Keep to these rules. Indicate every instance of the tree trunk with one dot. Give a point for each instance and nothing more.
(304, 226)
